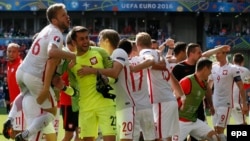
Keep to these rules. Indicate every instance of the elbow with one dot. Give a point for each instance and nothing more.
(115, 75)
(52, 53)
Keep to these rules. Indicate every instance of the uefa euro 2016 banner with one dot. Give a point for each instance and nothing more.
(128, 5)
(242, 42)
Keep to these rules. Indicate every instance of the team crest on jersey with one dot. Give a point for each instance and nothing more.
(57, 39)
(93, 61)
(224, 72)
(70, 126)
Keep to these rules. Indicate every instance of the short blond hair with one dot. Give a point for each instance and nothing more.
(15, 45)
(143, 39)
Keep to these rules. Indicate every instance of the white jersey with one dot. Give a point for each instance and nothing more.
(158, 81)
(223, 78)
(139, 86)
(121, 87)
(171, 65)
(35, 61)
(245, 75)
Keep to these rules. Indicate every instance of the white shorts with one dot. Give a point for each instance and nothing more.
(19, 121)
(221, 116)
(125, 123)
(166, 118)
(144, 121)
(236, 113)
(198, 130)
(31, 110)
(34, 85)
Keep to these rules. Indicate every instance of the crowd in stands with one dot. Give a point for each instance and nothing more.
(217, 29)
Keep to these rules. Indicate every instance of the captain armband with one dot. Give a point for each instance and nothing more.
(237, 78)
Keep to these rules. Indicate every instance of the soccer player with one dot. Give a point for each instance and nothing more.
(194, 87)
(239, 118)
(125, 106)
(144, 120)
(164, 102)
(179, 51)
(223, 76)
(14, 60)
(94, 109)
(34, 75)
(70, 117)
(187, 67)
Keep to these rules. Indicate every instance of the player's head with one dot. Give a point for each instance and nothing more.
(69, 42)
(204, 67)
(12, 51)
(238, 58)
(221, 56)
(109, 39)
(180, 50)
(80, 38)
(68, 38)
(143, 40)
(193, 51)
(57, 15)
(126, 45)
(155, 44)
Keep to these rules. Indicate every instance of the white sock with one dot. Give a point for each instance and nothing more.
(17, 106)
(39, 123)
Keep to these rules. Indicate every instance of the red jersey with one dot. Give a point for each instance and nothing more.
(11, 78)
(64, 98)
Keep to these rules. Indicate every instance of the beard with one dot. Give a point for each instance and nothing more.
(63, 26)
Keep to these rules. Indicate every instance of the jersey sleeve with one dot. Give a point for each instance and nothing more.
(176, 70)
(55, 39)
(186, 85)
(236, 74)
(119, 55)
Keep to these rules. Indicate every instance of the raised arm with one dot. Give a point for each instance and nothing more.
(221, 48)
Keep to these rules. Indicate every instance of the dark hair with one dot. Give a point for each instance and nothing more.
(179, 46)
(202, 63)
(126, 45)
(191, 48)
(111, 35)
(238, 58)
(77, 29)
(52, 10)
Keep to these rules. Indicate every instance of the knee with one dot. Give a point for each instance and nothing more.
(219, 130)
(52, 110)
(212, 136)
